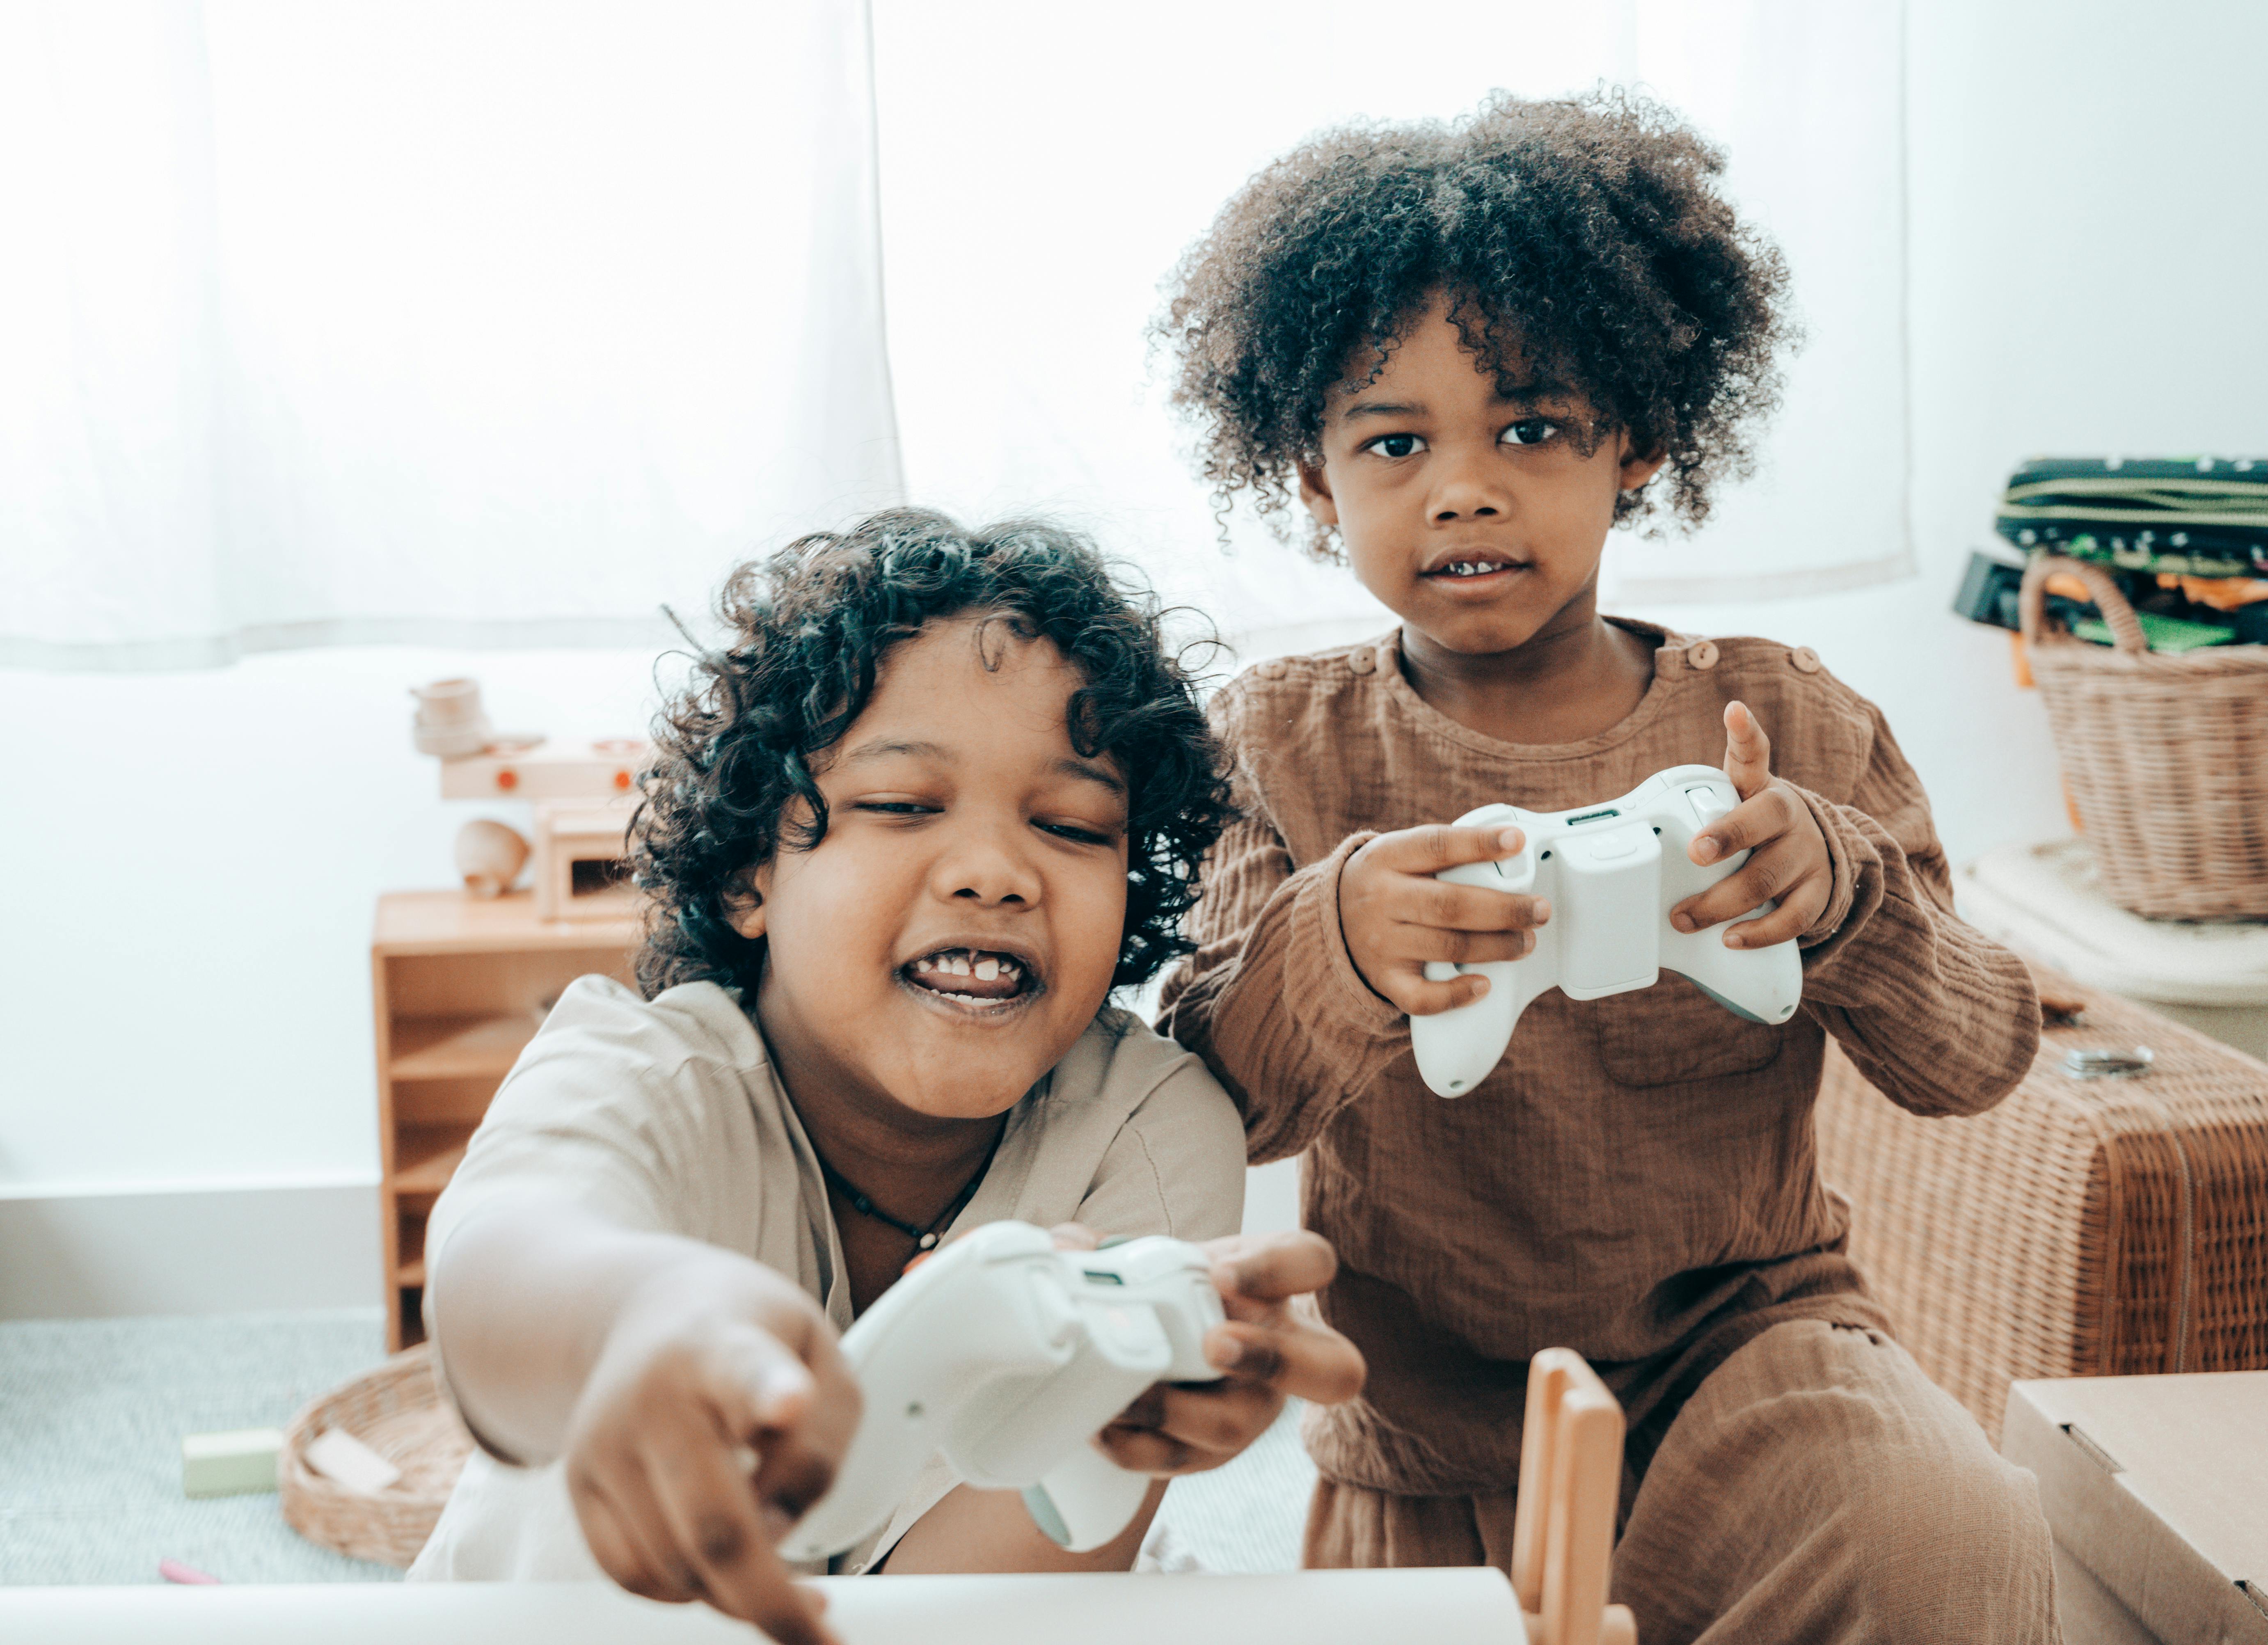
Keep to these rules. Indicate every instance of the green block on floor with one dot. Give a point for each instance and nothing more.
(231, 1464)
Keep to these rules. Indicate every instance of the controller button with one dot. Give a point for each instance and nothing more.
(1701, 654)
(1363, 661)
(1805, 659)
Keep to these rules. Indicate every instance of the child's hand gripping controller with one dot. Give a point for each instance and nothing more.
(1010, 1355)
(1612, 872)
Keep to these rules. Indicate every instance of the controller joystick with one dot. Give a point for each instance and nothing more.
(1009, 1356)
(1612, 873)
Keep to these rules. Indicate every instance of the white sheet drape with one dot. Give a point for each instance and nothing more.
(1043, 167)
(505, 322)
(1809, 102)
(415, 321)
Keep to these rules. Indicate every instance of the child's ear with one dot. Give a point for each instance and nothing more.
(1638, 469)
(745, 899)
(1316, 493)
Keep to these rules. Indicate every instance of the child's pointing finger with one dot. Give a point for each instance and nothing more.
(1748, 751)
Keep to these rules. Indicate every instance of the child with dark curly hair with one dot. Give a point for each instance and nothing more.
(1471, 349)
(937, 796)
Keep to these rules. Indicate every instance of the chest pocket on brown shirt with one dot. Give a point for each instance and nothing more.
(1671, 1033)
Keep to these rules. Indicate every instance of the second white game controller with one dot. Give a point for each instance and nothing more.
(1009, 1356)
(1612, 872)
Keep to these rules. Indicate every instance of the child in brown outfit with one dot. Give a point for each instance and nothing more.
(1473, 348)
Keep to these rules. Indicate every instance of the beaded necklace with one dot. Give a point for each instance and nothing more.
(924, 1238)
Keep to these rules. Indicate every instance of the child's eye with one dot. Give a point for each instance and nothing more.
(1076, 832)
(1396, 445)
(897, 808)
(1530, 431)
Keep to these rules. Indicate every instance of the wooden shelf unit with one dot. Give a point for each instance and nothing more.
(459, 986)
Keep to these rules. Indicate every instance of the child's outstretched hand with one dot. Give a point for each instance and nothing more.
(1788, 863)
(716, 1413)
(1397, 917)
(1266, 1351)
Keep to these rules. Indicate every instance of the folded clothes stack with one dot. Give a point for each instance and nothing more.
(2185, 537)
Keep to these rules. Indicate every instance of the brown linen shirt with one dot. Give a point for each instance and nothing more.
(1637, 1179)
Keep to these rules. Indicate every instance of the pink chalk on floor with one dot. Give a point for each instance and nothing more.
(174, 1571)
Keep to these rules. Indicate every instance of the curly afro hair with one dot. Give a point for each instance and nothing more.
(1582, 239)
(810, 628)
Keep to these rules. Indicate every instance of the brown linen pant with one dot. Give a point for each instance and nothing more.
(1815, 1488)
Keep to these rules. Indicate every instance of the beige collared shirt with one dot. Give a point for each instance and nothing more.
(665, 1116)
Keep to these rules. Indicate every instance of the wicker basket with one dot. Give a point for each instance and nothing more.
(399, 1412)
(2166, 757)
(2083, 1228)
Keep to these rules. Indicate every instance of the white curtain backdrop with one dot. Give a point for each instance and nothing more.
(1809, 100)
(497, 323)
(417, 321)
(1043, 167)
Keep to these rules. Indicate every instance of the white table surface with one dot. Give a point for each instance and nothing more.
(1467, 1606)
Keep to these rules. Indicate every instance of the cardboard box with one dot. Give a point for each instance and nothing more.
(2157, 1486)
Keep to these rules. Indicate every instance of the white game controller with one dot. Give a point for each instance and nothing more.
(1010, 1355)
(1612, 872)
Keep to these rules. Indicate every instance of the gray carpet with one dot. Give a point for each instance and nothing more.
(93, 1413)
(1248, 1515)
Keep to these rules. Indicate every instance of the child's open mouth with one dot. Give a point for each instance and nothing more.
(1467, 569)
(974, 975)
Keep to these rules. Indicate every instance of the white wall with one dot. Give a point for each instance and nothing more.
(2084, 280)
(185, 976)
(184, 990)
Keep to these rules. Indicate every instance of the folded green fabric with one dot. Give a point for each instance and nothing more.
(2171, 634)
(2194, 516)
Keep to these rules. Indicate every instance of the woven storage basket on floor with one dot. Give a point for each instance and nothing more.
(399, 1412)
(2166, 756)
(2083, 1228)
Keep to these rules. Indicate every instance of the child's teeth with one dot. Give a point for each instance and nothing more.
(968, 962)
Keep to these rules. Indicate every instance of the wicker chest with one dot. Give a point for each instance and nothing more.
(2084, 1228)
